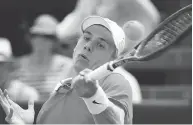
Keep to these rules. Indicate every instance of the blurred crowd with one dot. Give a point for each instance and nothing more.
(35, 75)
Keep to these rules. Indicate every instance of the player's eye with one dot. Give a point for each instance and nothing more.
(100, 45)
(86, 38)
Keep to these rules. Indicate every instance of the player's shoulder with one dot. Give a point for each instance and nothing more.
(114, 77)
(115, 80)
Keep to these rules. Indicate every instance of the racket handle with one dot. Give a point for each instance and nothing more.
(101, 71)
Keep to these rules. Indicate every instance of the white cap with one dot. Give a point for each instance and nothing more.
(44, 24)
(5, 50)
(117, 32)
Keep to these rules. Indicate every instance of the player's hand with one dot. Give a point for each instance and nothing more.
(14, 113)
(63, 86)
(83, 85)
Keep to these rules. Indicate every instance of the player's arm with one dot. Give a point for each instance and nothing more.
(119, 110)
(105, 108)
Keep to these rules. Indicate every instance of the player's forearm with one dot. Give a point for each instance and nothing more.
(111, 115)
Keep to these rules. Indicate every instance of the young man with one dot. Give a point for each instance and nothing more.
(120, 11)
(82, 100)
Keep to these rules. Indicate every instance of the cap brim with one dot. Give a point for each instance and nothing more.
(93, 20)
(116, 31)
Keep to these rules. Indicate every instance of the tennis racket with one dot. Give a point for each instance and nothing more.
(166, 34)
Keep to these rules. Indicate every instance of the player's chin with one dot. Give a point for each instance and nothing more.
(81, 65)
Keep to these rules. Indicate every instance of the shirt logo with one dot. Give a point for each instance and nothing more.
(95, 102)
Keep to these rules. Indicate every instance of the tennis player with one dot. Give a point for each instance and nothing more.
(82, 100)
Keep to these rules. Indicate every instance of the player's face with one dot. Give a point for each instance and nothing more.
(94, 48)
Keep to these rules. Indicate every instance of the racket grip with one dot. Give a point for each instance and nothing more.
(101, 71)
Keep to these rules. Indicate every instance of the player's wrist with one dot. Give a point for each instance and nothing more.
(91, 90)
(98, 102)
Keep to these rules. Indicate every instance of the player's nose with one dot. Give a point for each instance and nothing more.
(88, 47)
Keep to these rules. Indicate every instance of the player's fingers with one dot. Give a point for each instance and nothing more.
(89, 80)
(65, 84)
(4, 106)
(66, 81)
(9, 116)
(77, 81)
(84, 72)
(12, 103)
(31, 104)
(3, 97)
(7, 97)
(1, 93)
(4, 103)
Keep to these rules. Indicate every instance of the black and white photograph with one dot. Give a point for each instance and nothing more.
(95, 62)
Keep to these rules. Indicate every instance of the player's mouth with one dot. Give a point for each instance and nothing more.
(83, 57)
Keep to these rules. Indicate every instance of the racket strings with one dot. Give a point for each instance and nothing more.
(169, 33)
(182, 22)
(175, 28)
(166, 34)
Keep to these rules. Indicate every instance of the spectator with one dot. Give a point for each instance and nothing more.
(6, 62)
(120, 11)
(42, 69)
